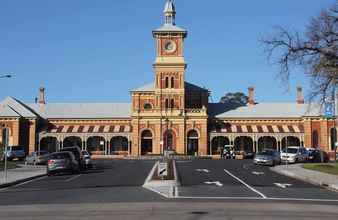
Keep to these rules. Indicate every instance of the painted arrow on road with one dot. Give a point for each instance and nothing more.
(257, 173)
(217, 183)
(203, 170)
(283, 185)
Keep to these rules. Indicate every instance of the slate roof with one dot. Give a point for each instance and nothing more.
(6, 111)
(83, 110)
(11, 107)
(265, 110)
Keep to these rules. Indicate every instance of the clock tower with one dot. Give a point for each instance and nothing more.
(169, 66)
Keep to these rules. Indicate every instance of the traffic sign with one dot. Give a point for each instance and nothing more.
(162, 169)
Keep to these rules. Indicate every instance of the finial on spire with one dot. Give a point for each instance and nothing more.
(169, 12)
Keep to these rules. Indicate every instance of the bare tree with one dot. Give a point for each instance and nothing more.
(316, 51)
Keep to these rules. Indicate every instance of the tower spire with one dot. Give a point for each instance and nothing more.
(169, 12)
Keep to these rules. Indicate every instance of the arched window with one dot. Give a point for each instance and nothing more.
(167, 103)
(147, 106)
(167, 82)
(146, 142)
(172, 103)
(172, 82)
(333, 135)
(315, 141)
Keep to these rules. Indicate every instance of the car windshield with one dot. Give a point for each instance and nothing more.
(73, 150)
(42, 153)
(85, 153)
(17, 148)
(291, 150)
(60, 156)
(266, 153)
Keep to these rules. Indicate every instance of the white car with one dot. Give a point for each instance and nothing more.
(294, 154)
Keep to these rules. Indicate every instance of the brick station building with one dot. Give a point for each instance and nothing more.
(168, 113)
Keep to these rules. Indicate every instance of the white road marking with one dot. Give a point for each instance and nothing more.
(21, 184)
(259, 198)
(283, 185)
(257, 173)
(217, 183)
(203, 170)
(245, 184)
(73, 178)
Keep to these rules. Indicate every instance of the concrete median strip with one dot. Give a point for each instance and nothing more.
(165, 188)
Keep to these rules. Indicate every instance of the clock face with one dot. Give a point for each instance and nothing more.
(170, 46)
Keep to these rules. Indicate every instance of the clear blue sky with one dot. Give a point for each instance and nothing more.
(96, 51)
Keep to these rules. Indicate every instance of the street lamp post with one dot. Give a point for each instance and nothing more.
(6, 76)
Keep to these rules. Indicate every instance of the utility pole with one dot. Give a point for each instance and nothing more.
(5, 134)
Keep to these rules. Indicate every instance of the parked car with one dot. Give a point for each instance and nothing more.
(228, 152)
(15, 152)
(37, 157)
(311, 151)
(294, 154)
(77, 153)
(319, 156)
(267, 157)
(87, 159)
(61, 162)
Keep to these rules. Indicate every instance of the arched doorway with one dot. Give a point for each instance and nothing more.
(119, 146)
(49, 144)
(217, 143)
(315, 139)
(72, 142)
(169, 140)
(146, 142)
(290, 141)
(192, 147)
(95, 145)
(244, 144)
(267, 142)
(333, 136)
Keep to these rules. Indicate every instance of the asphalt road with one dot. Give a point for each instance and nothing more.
(210, 190)
(236, 179)
(109, 181)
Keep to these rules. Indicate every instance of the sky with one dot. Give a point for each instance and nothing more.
(97, 51)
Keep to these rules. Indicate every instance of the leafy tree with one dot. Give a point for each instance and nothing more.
(315, 50)
(235, 99)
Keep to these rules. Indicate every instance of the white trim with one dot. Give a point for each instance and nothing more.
(254, 129)
(286, 129)
(265, 129)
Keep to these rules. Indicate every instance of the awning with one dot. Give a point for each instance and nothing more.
(260, 129)
(90, 129)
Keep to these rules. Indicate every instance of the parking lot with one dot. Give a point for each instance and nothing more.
(109, 181)
(121, 181)
(241, 179)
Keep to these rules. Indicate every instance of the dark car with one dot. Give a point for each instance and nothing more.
(268, 157)
(62, 162)
(318, 156)
(37, 158)
(77, 153)
(15, 152)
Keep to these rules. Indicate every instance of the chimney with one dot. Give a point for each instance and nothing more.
(300, 97)
(42, 100)
(251, 96)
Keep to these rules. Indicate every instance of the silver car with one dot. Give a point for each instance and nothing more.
(87, 159)
(62, 162)
(269, 157)
(37, 158)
